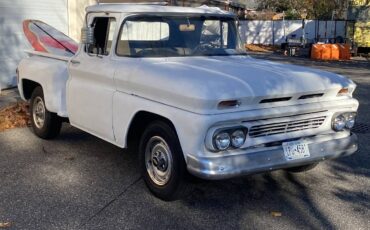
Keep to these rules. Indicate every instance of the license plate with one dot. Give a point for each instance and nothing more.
(295, 150)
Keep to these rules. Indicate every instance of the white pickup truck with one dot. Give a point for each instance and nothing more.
(175, 85)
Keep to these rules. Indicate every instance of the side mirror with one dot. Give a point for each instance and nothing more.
(87, 35)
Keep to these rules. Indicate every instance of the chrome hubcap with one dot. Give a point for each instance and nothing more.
(158, 160)
(38, 112)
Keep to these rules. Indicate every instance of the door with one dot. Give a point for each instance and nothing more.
(91, 87)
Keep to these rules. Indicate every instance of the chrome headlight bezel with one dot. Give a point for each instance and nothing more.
(230, 132)
(343, 121)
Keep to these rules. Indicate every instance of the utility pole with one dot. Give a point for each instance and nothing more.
(304, 16)
(285, 39)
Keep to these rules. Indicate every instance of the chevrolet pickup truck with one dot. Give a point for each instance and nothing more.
(175, 85)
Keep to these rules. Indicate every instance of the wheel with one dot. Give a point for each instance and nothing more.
(44, 124)
(162, 162)
(302, 168)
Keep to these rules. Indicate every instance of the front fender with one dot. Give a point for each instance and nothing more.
(190, 127)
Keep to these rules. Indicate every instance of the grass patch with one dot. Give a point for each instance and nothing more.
(261, 48)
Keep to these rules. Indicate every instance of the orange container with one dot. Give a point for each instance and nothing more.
(347, 51)
(334, 52)
(316, 51)
(326, 52)
(344, 51)
(331, 52)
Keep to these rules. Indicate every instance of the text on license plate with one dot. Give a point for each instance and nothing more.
(295, 150)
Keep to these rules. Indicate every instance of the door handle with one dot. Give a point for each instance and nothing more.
(75, 62)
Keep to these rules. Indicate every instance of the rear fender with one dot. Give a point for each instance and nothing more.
(51, 75)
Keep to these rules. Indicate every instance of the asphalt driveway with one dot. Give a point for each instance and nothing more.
(81, 182)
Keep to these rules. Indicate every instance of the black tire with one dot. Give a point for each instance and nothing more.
(52, 122)
(177, 186)
(303, 168)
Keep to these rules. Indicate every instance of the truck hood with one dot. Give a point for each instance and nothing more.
(198, 84)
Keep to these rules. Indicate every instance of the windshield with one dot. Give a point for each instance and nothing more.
(179, 36)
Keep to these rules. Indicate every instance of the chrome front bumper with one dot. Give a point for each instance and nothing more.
(268, 159)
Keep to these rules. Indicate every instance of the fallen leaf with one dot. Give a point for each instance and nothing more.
(260, 48)
(5, 224)
(14, 116)
(70, 158)
(276, 214)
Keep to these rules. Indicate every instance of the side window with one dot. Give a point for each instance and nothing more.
(215, 34)
(104, 28)
(142, 36)
(145, 31)
(211, 34)
(225, 33)
(112, 28)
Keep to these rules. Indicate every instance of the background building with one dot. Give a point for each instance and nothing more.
(12, 44)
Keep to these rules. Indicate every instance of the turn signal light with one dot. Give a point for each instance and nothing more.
(343, 92)
(229, 104)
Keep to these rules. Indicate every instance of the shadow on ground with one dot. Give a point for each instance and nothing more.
(81, 182)
(322, 198)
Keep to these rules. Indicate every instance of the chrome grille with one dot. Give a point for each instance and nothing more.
(286, 127)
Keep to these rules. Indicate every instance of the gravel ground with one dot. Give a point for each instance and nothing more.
(81, 182)
(8, 97)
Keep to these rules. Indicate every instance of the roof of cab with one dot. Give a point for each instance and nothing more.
(153, 8)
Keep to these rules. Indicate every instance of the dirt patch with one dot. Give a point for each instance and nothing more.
(261, 48)
(14, 116)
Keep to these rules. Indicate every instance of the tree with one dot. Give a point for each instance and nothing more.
(316, 9)
(325, 9)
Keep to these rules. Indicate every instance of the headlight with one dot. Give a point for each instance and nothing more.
(229, 138)
(339, 123)
(343, 121)
(350, 120)
(237, 138)
(222, 141)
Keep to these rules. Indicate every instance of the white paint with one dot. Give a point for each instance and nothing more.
(147, 8)
(49, 55)
(90, 91)
(52, 74)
